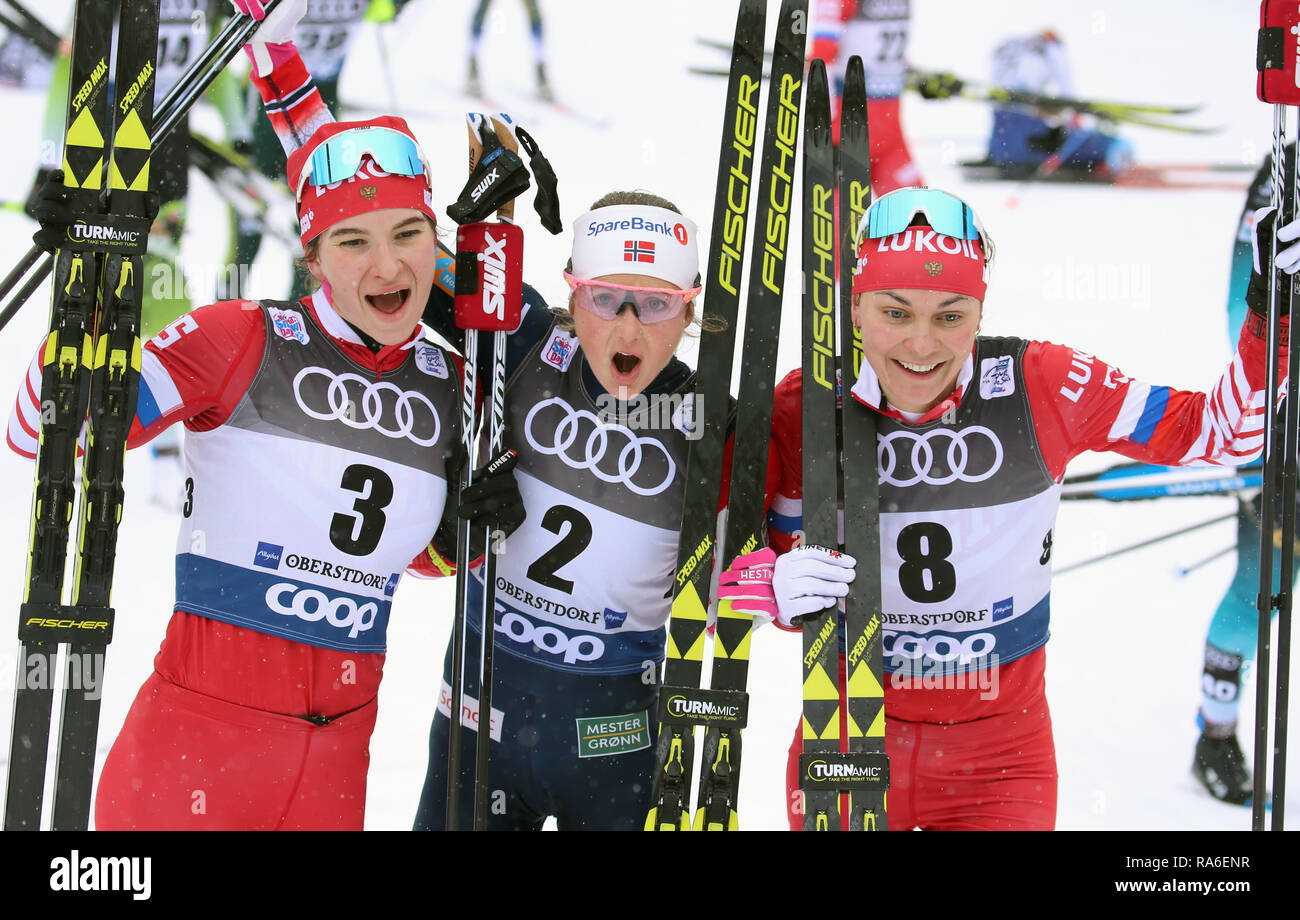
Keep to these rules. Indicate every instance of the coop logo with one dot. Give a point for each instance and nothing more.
(312, 605)
(83, 232)
(821, 771)
(938, 647)
(571, 649)
(682, 707)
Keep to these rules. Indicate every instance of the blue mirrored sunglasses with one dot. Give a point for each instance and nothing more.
(894, 213)
(339, 157)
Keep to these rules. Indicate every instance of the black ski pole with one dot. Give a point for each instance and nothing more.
(1277, 84)
(1186, 570)
(1145, 543)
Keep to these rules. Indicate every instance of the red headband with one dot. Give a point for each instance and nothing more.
(920, 258)
(371, 189)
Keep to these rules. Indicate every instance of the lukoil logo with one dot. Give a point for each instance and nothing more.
(312, 605)
(549, 639)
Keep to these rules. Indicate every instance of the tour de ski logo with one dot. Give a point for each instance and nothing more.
(559, 350)
(363, 405)
(288, 325)
(429, 359)
(997, 377)
(612, 452)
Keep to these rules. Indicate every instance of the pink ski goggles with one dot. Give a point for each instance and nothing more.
(651, 304)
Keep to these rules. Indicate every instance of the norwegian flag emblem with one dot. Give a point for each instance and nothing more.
(638, 251)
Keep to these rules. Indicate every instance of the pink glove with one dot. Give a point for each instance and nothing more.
(272, 43)
(747, 583)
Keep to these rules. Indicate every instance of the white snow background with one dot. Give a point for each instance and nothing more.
(1137, 277)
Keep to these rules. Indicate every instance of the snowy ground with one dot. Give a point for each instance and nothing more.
(1135, 276)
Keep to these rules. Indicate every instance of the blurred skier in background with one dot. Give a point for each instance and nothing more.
(1219, 764)
(474, 84)
(1025, 140)
(876, 31)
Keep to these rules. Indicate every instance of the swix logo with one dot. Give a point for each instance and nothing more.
(821, 771)
(681, 706)
(82, 232)
(484, 185)
(494, 276)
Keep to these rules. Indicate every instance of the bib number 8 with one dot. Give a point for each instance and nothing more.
(926, 576)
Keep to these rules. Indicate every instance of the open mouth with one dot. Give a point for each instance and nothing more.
(626, 365)
(388, 302)
(919, 370)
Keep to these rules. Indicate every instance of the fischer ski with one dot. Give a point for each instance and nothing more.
(682, 704)
(821, 691)
(717, 803)
(843, 720)
(867, 767)
(91, 372)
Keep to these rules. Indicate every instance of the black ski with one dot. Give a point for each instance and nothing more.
(682, 705)
(866, 772)
(821, 693)
(839, 470)
(716, 808)
(91, 361)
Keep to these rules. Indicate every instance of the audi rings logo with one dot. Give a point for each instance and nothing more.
(601, 441)
(312, 605)
(360, 403)
(969, 455)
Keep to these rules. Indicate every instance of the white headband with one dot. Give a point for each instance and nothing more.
(636, 239)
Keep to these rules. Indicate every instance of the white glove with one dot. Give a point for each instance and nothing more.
(276, 29)
(808, 579)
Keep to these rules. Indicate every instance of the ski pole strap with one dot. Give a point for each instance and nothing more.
(1277, 52)
(82, 624)
(497, 175)
(547, 201)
